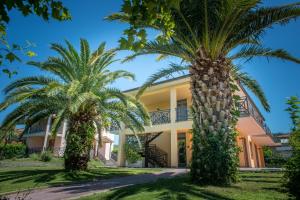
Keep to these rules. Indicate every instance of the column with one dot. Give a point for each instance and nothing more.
(174, 148)
(262, 159)
(63, 139)
(121, 153)
(173, 104)
(96, 146)
(258, 156)
(110, 150)
(47, 133)
(250, 163)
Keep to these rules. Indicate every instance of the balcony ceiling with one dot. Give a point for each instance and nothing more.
(156, 97)
(163, 95)
(248, 126)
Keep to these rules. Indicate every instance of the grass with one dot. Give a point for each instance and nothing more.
(253, 186)
(26, 173)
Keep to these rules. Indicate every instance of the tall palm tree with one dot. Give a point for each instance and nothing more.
(208, 35)
(79, 92)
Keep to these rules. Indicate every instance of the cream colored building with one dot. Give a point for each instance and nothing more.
(38, 138)
(168, 103)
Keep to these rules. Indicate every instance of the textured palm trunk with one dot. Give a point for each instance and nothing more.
(79, 141)
(214, 158)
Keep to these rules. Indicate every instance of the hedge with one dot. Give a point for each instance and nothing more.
(12, 151)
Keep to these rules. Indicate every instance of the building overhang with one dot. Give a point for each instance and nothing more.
(264, 140)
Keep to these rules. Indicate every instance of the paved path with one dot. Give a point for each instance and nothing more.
(75, 191)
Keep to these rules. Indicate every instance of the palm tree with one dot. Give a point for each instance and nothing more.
(78, 92)
(208, 35)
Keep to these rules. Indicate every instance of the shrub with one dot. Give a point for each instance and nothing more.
(292, 173)
(273, 159)
(16, 150)
(115, 149)
(34, 156)
(46, 156)
(131, 154)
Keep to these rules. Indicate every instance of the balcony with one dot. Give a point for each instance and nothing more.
(245, 105)
(160, 117)
(247, 108)
(37, 128)
(113, 127)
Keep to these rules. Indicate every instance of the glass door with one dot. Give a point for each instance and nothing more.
(181, 141)
(182, 112)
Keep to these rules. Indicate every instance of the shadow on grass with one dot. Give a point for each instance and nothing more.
(261, 178)
(165, 189)
(59, 176)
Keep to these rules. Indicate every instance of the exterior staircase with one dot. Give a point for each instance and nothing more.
(155, 156)
(108, 163)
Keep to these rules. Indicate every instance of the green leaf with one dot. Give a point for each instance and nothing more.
(16, 47)
(31, 53)
(12, 57)
(9, 73)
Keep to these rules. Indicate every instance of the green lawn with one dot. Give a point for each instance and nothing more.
(253, 186)
(22, 174)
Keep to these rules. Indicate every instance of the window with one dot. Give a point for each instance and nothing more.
(284, 141)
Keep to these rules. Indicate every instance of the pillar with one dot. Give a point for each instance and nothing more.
(173, 104)
(96, 146)
(47, 133)
(121, 153)
(262, 158)
(174, 148)
(249, 152)
(63, 138)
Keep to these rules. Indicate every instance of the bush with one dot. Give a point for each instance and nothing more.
(131, 154)
(46, 156)
(273, 159)
(292, 173)
(34, 156)
(9, 151)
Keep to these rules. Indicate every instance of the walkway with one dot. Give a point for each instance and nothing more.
(76, 191)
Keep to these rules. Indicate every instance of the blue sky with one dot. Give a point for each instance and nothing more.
(278, 79)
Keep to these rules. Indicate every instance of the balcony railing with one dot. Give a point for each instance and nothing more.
(245, 106)
(248, 108)
(160, 117)
(114, 127)
(37, 129)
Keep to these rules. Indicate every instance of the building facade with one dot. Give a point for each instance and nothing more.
(38, 138)
(169, 139)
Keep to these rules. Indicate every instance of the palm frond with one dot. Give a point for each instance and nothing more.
(163, 49)
(160, 74)
(29, 81)
(246, 80)
(257, 51)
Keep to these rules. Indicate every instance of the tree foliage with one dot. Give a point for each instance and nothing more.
(207, 36)
(45, 9)
(78, 91)
(292, 174)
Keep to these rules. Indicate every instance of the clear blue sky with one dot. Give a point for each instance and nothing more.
(278, 79)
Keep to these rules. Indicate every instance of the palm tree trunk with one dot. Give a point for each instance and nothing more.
(79, 141)
(214, 158)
